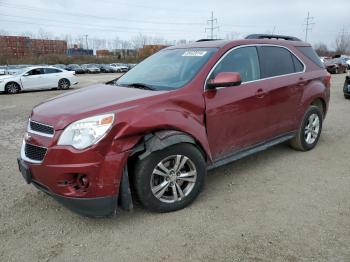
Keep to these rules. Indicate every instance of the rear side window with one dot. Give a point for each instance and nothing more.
(275, 61)
(299, 67)
(36, 71)
(52, 70)
(311, 54)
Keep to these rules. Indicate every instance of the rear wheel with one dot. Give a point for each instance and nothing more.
(309, 131)
(12, 88)
(63, 84)
(347, 96)
(170, 179)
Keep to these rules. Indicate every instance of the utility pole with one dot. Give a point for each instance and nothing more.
(86, 41)
(308, 24)
(213, 26)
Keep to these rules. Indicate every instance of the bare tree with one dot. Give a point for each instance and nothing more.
(139, 40)
(42, 34)
(342, 43)
(321, 49)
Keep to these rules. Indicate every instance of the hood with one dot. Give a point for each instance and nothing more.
(3, 77)
(98, 99)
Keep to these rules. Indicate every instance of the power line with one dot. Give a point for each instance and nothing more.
(213, 26)
(89, 16)
(308, 25)
(49, 22)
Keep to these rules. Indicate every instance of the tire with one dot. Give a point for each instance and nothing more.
(347, 96)
(149, 173)
(63, 84)
(308, 135)
(12, 88)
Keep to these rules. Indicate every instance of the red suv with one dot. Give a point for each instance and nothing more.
(155, 132)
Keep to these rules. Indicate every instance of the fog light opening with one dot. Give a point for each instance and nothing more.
(83, 181)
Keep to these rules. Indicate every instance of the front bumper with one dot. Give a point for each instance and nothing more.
(91, 206)
(58, 175)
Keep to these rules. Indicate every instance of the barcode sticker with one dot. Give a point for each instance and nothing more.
(194, 53)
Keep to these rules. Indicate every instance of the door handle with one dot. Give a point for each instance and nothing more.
(302, 81)
(260, 93)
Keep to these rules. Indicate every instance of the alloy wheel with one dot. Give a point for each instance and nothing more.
(312, 129)
(173, 178)
(64, 84)
(12, 88)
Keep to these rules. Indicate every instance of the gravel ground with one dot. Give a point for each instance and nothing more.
(277, 205)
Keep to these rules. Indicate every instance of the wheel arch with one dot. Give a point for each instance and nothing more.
(64, 78)
(161, 139)
(13, 81)
(320, 103)
(147, 144)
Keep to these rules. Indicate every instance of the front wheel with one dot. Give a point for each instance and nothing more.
(170, 179)
(309, 131)
(12, 88)
(63, 84)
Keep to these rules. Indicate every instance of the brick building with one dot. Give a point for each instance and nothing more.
(20, 47)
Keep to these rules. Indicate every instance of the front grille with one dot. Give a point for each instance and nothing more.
(36, 153)
(41, 128)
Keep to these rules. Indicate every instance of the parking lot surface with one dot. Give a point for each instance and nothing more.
(277, 205)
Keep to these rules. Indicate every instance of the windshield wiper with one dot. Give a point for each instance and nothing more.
(141, 86)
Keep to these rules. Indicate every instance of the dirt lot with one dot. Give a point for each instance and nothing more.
(278, 205)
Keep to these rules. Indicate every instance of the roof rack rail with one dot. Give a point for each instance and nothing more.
(268, 36)
(207, 39)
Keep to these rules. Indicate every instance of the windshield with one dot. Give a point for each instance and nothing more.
(168, 69)
(20, 71)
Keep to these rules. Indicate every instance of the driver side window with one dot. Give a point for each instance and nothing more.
(36, 71)
(243, 60)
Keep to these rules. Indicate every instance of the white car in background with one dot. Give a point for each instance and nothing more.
(347, 60)
(119, 68)
(36, 78)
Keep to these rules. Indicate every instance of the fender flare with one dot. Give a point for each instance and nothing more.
(160, 140)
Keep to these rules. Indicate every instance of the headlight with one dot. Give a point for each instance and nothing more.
(86, 132)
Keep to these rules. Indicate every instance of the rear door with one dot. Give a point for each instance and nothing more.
(52, 76)
(282, 74)
(235, 116)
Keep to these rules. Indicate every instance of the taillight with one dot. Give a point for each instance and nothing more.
(327, 80)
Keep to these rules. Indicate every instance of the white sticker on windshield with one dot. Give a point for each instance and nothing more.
(194, 53)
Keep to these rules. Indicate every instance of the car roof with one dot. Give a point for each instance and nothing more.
(224, 43)
(38, 67)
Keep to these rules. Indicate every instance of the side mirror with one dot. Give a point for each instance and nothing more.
(26, 74)
(224, 79)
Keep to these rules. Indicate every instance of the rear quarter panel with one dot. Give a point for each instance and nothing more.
(313, 90)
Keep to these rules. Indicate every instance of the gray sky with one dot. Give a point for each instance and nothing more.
(175, 20)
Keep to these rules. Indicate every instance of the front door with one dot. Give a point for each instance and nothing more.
(34, 79)
(235, 116)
